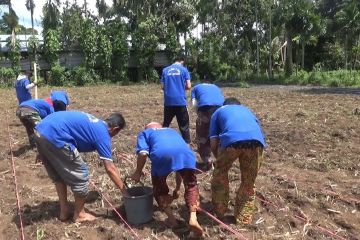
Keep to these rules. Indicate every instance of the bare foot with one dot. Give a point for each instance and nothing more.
(171, 222)
(84, 217)
(195, 228)
(175, 194)
(65, 215)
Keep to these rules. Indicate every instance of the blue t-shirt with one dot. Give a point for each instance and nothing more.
(232, 123)
(207, 95)
(40, 105)
(79, 130)
(22, 93)
(174, 79)
(60, 96)
(167, 151)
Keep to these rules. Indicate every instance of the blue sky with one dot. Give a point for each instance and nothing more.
(25, 17)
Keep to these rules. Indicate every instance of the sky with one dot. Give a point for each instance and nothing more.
(25, 17)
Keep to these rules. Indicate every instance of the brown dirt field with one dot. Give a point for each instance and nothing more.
(308, 185)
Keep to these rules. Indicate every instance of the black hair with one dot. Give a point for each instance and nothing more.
(231, 101)
(179, 58)
(115, 120)
(59, 106)
(207, 78)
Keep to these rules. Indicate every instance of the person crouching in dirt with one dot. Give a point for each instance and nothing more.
(206, 98)
(168, 152)
(60, 99)
(235, 133)
(59, 139)
(31, 112)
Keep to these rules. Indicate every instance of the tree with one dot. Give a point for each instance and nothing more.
(52, 47)
(348, 20)
(72, 21)
(51, 13)
(30, 5)
(88, 40)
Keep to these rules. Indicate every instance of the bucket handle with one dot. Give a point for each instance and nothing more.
(129, 186)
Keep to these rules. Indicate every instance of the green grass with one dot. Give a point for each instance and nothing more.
(339, 78)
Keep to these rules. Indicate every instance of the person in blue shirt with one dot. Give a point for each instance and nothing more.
(60, 99)
(206, 98)
(235, 134)
(175, 80)
(168, 152)
(23, 86)
(59, 139)
(31, 112)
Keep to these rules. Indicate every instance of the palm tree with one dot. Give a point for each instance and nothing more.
(30, 5)
(11, 20)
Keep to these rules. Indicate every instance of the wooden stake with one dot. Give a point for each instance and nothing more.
(35, 81)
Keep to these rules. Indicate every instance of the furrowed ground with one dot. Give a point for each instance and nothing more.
(308, 186)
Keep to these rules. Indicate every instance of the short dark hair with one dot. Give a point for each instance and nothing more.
(116, 120)
(179, 58)
(231, 101)
(207, 78)
(59, 105)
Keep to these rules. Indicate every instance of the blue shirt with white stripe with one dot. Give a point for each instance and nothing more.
(79, 130)
(39, 105)
(174, 79)
(166, 149)
(233, 123)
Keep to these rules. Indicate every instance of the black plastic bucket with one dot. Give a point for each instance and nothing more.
(139, 205)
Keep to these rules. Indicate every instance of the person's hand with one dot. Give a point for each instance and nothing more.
(136, 176)
(124, 192)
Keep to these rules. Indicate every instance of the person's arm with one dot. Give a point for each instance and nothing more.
(214, 134)
(141, 159)
(188, 85)
(114, 175)
(193, 98)
(214, 145)
(30, 86)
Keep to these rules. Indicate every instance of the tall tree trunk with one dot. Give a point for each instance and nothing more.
(345, 50)
(257, 43)
(32, 21)
(302, 55)
(288, 57)
(270, 45)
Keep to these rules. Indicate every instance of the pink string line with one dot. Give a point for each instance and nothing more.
(236, 233)
(103, 196)
(22, 236)
(322, 229)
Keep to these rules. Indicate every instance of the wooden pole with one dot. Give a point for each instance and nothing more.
(35, 81)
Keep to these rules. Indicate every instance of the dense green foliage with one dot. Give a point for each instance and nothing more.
(302, 41)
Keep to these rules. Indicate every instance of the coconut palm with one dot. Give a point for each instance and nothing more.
(30, 5)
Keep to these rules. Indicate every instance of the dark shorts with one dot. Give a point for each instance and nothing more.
(64, 165)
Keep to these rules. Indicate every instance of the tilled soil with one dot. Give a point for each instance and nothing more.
(308, 186)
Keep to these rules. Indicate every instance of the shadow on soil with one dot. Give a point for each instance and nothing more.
(21, 150)
(36, 213)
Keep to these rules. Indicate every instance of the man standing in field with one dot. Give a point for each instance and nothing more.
(206, 98)
(175, 80)
(235, 133)
(31, 112)
(168, 153)
(23, 86)
(59, 139)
